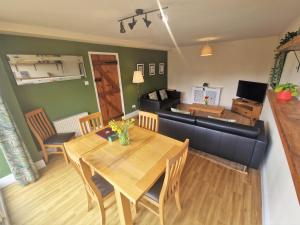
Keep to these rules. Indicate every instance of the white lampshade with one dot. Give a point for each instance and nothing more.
(206, 50)
(137, 77)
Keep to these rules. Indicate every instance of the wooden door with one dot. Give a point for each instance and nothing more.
(107, 84)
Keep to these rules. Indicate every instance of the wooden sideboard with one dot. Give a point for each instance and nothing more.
(247, 108)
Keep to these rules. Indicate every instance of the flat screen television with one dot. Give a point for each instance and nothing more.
(252, 90)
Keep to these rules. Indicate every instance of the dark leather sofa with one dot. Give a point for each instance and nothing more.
(149, 105)
(236, 142)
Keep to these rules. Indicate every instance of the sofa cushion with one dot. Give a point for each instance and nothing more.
(233, 128)
(163, 94)
(153, 95)
(177, 117)
(180, 111)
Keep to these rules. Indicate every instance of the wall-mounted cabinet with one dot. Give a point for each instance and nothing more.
(34, 69)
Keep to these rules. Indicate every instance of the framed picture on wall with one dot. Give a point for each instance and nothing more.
(161, 68)
(152, 69)
(140, 67)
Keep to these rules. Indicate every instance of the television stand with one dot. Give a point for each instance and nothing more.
(247, 108)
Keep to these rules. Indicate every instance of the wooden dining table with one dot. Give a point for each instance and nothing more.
(131, 169)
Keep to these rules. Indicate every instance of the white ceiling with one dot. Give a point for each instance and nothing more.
(188, 19)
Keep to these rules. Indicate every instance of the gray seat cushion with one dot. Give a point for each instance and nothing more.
(58, 139)
(155, 190)
(103, 186)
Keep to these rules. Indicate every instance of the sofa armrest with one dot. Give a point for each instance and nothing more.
(149, 105)
(261, 145)
(173, 94)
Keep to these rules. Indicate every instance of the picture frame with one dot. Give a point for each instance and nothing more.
(140, 67)
(151, 69)
(161, 69)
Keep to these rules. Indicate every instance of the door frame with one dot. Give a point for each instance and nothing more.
(119, 75)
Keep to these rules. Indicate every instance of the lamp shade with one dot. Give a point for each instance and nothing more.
(137, 77)
(206, 50)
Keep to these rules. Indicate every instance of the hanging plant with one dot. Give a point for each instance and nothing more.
(277, 69)
(279, 59)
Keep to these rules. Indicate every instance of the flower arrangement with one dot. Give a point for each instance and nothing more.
(121, 128)
(206, 100)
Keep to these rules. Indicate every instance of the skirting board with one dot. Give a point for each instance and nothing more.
(264, 198)
(9, 179)
(3, 211)
(130, 115)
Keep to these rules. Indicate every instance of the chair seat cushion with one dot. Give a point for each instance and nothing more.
(154, 191)
(58, 139)
(103, 186)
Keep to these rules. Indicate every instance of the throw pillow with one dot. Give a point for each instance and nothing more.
(222, 119)
(153, 95)
(180, 111)
(163, 94)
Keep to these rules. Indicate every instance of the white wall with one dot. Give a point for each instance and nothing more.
(249, 59)
(279, 199)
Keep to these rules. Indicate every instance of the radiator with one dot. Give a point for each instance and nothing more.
(69, 124)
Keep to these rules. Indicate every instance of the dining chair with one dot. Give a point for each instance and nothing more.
(91, 123)
(168, 185)
(148, 121)
(97, 189)
(46, 135)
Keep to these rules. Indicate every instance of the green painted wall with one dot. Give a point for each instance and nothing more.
(65, 98)
(11, 101)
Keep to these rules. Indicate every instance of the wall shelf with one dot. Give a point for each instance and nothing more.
(287, 115)
(292, 45)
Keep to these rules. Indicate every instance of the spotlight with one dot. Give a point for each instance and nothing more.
(147, 22)
(132, 24)
(163, 17)
(122, 28)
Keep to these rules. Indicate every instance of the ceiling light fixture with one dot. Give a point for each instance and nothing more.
(132, 24)
(147, 22)
(163, 17)
(122, 28)
(140, 12)
(206, 50)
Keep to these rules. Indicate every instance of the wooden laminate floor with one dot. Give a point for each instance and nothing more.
(211, 194)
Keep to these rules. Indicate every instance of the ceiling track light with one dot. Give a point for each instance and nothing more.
(147, 22)
(138, 12)
(132, 24)
(122, 28)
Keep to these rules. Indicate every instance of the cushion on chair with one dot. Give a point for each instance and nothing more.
(154, 191)
(58, 139)
(103, 186)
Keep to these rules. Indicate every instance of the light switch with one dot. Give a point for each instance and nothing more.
(86, 83)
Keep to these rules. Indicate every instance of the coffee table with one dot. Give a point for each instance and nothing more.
(227, 114)
(217, 110)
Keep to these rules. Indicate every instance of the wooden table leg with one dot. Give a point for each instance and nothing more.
(124, 208)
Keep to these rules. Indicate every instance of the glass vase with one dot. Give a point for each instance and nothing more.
(124, 138)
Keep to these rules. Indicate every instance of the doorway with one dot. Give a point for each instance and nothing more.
(108, 84)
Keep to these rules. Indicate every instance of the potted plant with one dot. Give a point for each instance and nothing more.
(121, 128)
(286, 91)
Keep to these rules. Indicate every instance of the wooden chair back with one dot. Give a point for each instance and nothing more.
(173, 173)
(39, 124)
(91, 123)
(91, 188)
(148, 121)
